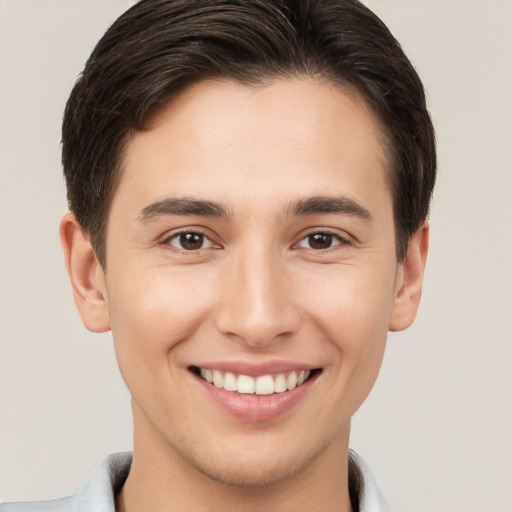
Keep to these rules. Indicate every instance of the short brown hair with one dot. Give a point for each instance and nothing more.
(159, 47)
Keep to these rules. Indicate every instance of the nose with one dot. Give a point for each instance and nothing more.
(256, 302)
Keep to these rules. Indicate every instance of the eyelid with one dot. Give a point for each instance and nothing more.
(169, 235)
(344, 238)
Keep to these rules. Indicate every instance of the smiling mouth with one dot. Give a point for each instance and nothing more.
(262, 385)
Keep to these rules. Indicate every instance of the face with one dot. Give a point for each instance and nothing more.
(251, 275)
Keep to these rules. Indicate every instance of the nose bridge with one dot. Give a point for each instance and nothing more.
(257, 304)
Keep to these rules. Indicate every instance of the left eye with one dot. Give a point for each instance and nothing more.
(319, 241)
(189, 241)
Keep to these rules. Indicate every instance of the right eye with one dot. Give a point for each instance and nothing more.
(321, 241)
(189, 241)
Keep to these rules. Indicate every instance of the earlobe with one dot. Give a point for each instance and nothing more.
(410, 281)
(86, 275)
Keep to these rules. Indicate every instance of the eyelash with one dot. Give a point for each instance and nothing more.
(197, 232)
(341, 241)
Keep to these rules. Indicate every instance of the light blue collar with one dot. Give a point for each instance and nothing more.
(98, 492)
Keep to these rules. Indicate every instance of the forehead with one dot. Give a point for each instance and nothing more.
(224, 140)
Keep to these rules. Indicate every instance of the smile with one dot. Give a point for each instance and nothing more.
(260, 385)
(256, 393)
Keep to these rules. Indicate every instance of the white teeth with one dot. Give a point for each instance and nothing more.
(280, 383)
(245, 384)
(230, 382)
(218, 379)
(302, 377)
(207, 375)
(262, 385)
(291, 381)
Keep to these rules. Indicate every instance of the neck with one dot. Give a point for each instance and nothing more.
(160, 479)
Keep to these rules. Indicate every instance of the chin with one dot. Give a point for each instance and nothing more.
(251, 475)
(257, 467)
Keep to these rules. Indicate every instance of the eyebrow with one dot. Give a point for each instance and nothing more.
(320, 205)
(316, 205)
(183, 206)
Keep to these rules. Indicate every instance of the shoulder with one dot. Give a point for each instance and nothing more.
(67, 504)
(363, 483)
(97, 494)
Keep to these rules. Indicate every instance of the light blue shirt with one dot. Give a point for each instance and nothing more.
(98, 493)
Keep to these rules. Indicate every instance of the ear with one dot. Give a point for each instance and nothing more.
(409, 281)
(86, 275)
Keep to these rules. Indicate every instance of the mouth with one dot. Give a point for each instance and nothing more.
(268, 384)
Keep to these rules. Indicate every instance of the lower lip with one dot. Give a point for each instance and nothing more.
(256, 408)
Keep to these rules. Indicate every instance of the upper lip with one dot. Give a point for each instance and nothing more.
(255, 369)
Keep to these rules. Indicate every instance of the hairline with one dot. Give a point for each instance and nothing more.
(384, 138)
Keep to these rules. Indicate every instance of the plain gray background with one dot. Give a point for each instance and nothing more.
(437, 429)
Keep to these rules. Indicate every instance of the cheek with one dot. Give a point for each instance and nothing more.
(352, 307)
(153, 313)
(355, 301)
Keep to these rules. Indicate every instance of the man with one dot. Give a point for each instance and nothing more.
(249, 183)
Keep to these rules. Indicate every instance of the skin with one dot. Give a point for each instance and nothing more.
(257, 290)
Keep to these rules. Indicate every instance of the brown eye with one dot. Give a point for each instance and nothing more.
(189, 241)
(320, 241)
